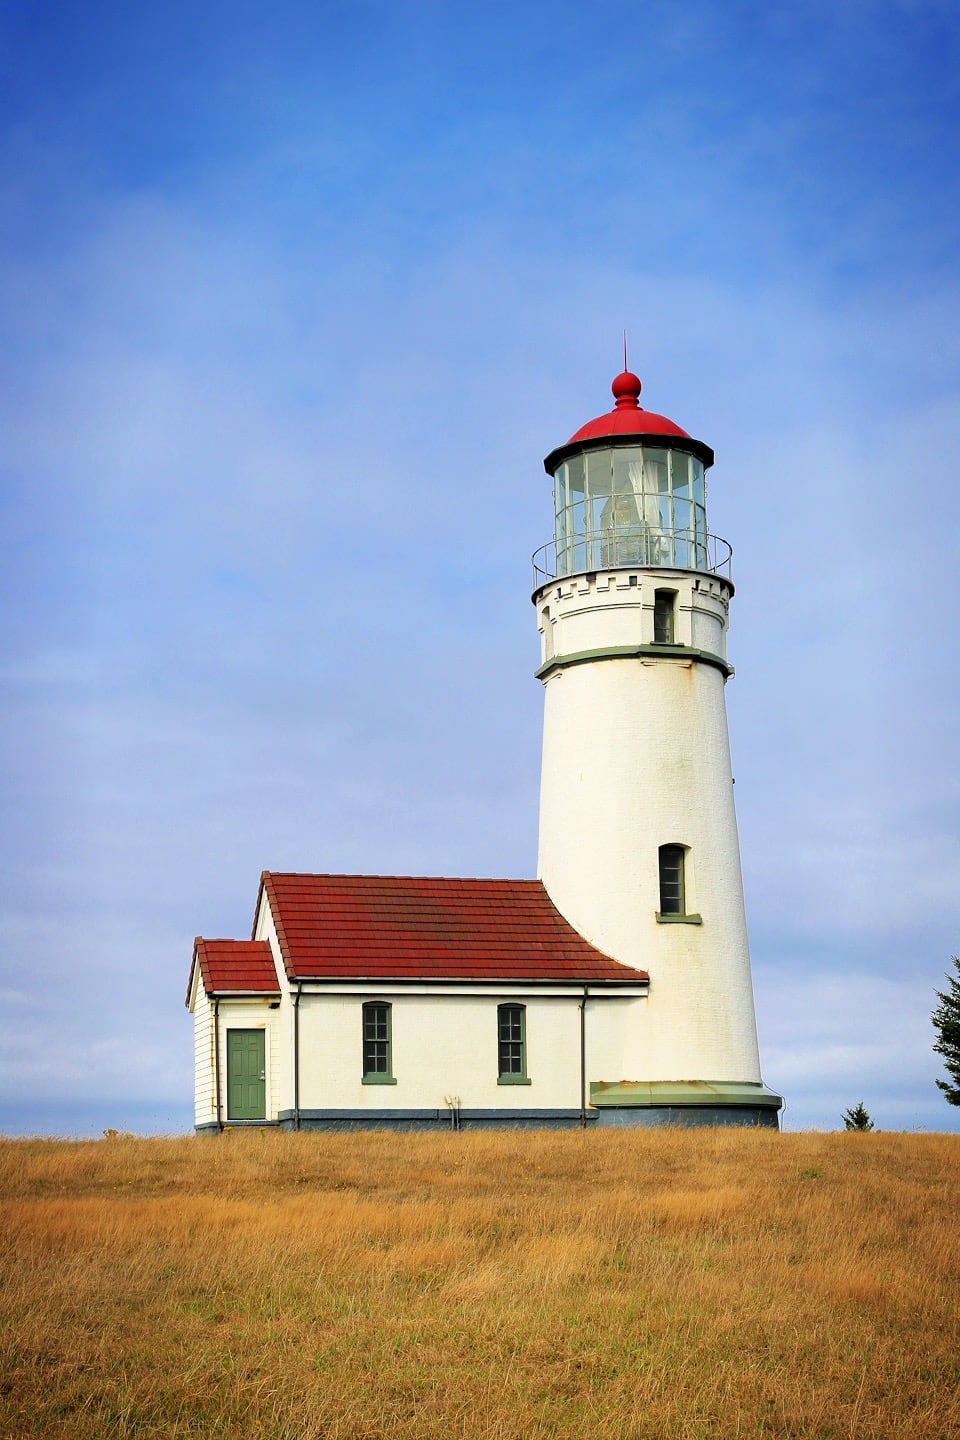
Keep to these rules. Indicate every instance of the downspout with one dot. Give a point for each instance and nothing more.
(216, 1063)
(583, 1059)
(296, 1055)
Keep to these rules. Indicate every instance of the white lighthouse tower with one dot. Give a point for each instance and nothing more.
(638, 833)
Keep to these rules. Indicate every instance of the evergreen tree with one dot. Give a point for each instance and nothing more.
(946, 1022)
(856, 1118)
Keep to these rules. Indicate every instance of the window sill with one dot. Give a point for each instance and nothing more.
(513, 1080)
(678, 919)
(379, 1080)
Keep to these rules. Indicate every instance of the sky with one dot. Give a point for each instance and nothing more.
(294, 299)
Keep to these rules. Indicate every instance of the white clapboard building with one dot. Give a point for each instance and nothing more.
(615, 989)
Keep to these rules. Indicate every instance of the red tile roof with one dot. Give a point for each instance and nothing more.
(234, 967)
(411, 928)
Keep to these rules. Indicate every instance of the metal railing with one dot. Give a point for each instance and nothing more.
(646, 547)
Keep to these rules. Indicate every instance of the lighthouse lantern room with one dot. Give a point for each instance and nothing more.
(638, 841)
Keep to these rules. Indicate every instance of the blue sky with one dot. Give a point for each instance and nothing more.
(294, 300)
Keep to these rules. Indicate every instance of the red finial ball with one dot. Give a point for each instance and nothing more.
(626, 390)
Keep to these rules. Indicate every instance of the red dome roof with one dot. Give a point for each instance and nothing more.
(627, 418)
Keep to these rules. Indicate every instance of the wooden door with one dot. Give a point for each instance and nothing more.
(246, 1075)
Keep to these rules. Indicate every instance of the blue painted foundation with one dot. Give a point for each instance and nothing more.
(624, 1117)
(430, 1119)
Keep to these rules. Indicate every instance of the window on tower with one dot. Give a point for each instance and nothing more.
(673, 886)
(547, 633)
(664, 617)
(671, 879)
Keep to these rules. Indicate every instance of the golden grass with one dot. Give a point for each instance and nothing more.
(505, 1285)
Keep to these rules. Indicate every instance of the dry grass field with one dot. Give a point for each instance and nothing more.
(507, 1286)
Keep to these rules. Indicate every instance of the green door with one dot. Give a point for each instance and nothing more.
(246, 1075)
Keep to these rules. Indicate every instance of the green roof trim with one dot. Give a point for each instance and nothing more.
(604, 1093)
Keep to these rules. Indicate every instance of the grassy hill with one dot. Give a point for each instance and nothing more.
(505, 1285)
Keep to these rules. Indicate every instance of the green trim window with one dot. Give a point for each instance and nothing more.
(377, 1043)
(671, 880)
(512, 1045)
(672, 861)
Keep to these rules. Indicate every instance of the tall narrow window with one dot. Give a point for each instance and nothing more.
(377, 1058)
(671, 880)
(664, 611)
(511, 1045)
(547, 634)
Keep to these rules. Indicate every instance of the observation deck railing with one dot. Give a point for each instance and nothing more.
(646, 547)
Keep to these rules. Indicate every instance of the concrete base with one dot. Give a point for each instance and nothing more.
(630, 1104)
(212, 1128)
(685, 1102)
(636, 1116)
(430, 1119)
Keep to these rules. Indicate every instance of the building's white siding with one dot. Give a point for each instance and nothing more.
(282, 1026)
(253, 1014)
(615, 1048)
(635, 756)
(443, 1045)
(204, 1083)
(265, 929)
(235, 1014)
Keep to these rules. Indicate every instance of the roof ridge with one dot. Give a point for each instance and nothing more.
(368, 875)
(227, 940)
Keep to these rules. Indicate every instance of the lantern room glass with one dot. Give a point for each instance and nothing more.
(630, 505)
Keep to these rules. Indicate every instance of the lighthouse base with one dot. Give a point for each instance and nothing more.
(636, 1103)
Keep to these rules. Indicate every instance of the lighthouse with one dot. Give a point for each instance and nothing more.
(615, 988)
(638, 845)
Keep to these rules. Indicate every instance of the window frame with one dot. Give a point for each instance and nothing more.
(665, 615)
(518, 1014)
(378, 1076)
(670, 915)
